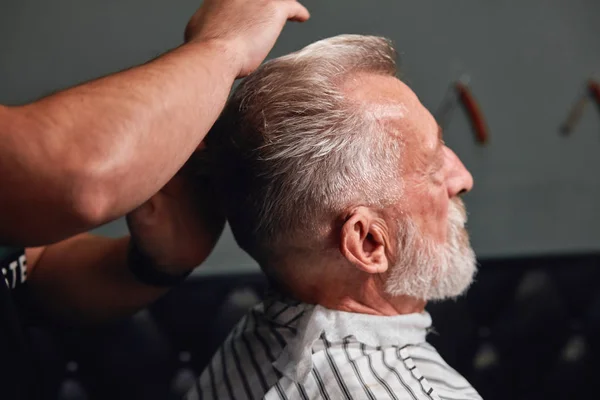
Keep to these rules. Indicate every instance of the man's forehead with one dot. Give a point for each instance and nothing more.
(391, 102)
(377, 89)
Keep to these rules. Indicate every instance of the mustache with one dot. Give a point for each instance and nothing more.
(457, 212)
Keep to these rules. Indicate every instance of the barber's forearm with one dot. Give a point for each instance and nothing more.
(86, 279)
(87, 155)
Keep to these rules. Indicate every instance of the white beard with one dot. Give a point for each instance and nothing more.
(431, 271)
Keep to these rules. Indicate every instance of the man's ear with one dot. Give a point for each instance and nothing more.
(363, 241)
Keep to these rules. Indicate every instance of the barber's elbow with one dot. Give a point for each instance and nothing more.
(91, 199)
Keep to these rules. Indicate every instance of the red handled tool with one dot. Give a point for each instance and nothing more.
(592, 92)
(459, 92)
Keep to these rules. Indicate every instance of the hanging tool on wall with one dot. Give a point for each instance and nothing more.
(592, 92)
(460, 93)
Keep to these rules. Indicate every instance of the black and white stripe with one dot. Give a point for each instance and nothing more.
(346, 369)
(377, 376)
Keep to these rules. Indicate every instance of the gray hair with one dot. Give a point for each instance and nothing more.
(294, 152)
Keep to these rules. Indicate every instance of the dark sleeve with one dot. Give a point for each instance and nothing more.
(15, 365)
(13, 266)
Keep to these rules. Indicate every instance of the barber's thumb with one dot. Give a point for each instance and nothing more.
(297, 12)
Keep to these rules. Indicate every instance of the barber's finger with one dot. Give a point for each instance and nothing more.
(296, 11)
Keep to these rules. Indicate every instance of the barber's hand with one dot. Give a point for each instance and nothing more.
(178, 227)
(248, 28)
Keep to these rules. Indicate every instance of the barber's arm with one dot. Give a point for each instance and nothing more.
(89, 278)
(89, 154)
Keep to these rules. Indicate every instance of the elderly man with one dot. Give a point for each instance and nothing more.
(336, 180)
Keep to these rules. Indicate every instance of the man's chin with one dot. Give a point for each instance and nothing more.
(456, 284)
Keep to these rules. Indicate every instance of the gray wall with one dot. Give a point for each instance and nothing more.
(535, 192)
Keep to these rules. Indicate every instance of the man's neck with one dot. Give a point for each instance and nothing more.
(366, 297)
(381, 306)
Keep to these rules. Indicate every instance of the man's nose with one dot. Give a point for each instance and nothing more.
(459, 179)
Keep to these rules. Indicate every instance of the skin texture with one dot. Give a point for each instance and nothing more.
(433, 175)
(111, 147)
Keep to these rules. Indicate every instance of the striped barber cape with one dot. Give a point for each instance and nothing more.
(288, 350)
